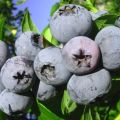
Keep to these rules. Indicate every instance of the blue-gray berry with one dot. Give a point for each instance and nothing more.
(70, 21)
(108, 40)
(85, 89)
(17, 74)
(45, 91)
(81, 55)
(12, 103)
(3, 53)
(28, 44)
(49, 67)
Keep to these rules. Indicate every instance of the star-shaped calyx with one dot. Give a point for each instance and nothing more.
(83, 60)
(67, 10)
(20, 77)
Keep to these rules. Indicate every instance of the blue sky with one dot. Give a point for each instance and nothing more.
(40, 11)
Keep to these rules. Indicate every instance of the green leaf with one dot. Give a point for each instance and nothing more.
(63, 2)
(92, 2)
(48, 37)
(87, 115)
(46, 114)
(118, 106)
(116, 78)
(105, 20)
(54, 8)
(1, 115)
(97, 116)
(90, 113)
(67, 105)
(27, 23)
(19, 2)
(113, 112)
(118, 117)
(2, 24)
(95, 113)
(66, 1)
(115, 75)
(11, 29)
(89, 4)
(100, 23)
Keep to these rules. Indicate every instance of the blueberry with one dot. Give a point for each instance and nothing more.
(45, 91)
(108, 40)
(49, 67)
(28, 44)
(17, 73)
(12, 103)
(85, 89)
(70, 21)
(3, 53)
(81, 55)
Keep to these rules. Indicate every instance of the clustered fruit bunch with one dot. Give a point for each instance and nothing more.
(83, 64)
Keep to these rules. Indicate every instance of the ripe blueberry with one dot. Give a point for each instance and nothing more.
(12, 103)
(28, 45)
(45, 91)
(70, 21)
(85, 89)
(81, 55)
(17, 73)
(49, 67)
(108, 40)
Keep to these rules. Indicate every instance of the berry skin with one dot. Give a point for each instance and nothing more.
(81, 55)
(108, 40)
(3, 53)
(45, 91)
(49, 67)
(1, 86)
(28, 44)
(12, 103)
(17, 74)
(85, 89)
(70, 21)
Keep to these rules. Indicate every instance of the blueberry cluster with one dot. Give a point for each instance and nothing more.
(82, 56)
(83, 64)
(16, 77)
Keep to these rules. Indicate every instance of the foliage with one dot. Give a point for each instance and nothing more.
(19, 2)
(27, 24)
(90, 5)
(54, 8)
(46, 114)
(2, 23)
(67, 105)
(112, 5)
(49, 38)
(12, 23)
(105, 20)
